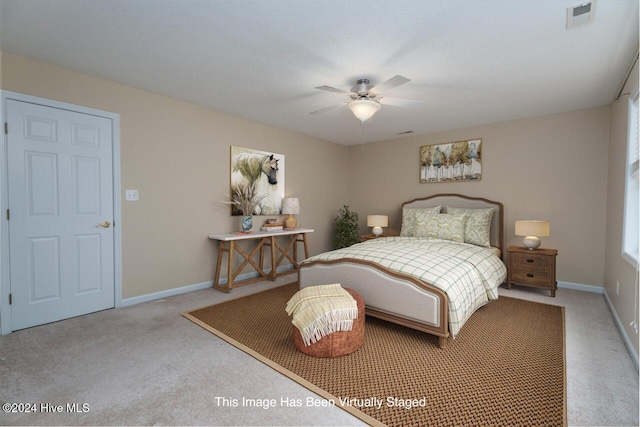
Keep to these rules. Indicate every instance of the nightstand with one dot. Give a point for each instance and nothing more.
(532, 268)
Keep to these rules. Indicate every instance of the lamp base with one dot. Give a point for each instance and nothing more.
(531, 242)
(377, 231)
(290, 223)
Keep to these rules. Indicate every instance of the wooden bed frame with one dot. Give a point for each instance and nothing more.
(396, 297)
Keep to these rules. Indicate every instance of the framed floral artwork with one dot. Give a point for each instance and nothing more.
(451, 161)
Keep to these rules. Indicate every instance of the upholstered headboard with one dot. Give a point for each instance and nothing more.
(460, 201)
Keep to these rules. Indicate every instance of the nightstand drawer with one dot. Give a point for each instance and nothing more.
(532, 261)
(531, 276)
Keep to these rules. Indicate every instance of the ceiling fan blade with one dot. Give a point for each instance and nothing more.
(325, 109)
(399, 102)
(394, 81)
(333, 89)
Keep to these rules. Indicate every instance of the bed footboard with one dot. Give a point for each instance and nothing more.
(388, 295)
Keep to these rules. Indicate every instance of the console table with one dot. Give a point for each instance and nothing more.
(228, 243)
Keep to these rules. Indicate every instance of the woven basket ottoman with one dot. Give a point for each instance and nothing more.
(338, 343)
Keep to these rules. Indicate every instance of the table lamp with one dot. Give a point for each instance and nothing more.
(377, 222)
(532, 229)
(290, 206)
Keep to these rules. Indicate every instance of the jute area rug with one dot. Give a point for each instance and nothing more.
(506, 367)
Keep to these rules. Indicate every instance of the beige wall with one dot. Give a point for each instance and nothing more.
(177, 155)
(552, 167)
(617, 270)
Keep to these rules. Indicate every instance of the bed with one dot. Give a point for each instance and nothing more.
(432, 277)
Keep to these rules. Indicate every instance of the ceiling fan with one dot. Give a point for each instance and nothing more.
(366, 99)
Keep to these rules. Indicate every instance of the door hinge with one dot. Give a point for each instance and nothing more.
(10, 299)
(8, 214)
(6, 128)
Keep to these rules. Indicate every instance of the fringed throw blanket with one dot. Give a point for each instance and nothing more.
(321, 310)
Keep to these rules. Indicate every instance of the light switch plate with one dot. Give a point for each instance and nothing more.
(131, 195)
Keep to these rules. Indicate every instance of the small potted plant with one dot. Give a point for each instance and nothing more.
(346, 228)
(245, 199)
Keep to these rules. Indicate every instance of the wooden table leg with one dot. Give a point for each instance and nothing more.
(262, 257)
(274, 267)
(232, 247)
(306, 247)
(216, 282)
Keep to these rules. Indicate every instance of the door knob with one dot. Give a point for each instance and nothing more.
(105, 224)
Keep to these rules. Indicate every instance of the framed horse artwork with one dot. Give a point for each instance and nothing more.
(258, 175)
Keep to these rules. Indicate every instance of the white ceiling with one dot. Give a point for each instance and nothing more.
(470, 62)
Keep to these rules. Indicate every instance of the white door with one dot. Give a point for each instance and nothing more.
(61, 240)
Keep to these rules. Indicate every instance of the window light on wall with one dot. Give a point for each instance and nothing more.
(631, 230)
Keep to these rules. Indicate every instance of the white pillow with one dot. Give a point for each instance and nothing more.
(477, 229)
(443, 226)
(413, 218)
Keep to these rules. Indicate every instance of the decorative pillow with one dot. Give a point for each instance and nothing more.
(477, 229)
(412, 218)
(443, 226)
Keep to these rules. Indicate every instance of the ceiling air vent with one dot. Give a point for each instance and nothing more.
(580, 14)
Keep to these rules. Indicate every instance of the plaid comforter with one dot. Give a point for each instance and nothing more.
(470, 275)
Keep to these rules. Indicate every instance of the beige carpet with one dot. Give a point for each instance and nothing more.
(507, 366)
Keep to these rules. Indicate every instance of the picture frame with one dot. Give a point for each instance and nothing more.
(457, 161)
(259, 175)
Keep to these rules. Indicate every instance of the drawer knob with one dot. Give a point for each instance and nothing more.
(529, 260)
(529, 275)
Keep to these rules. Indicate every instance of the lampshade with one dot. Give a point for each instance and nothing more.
(290, 205)
(531, 229)
(377, 221)
(364, 109)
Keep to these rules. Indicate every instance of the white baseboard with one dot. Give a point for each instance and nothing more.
(189, 288)
(623, 331)
(581, 287)
(126, 302)
(600, 290)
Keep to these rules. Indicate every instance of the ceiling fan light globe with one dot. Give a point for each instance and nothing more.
(364, 109)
